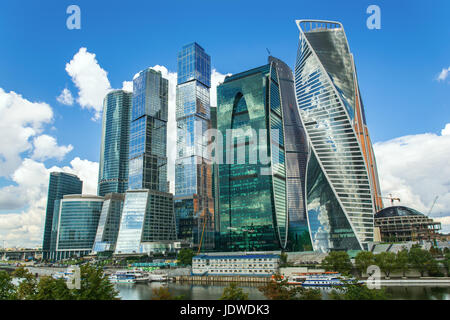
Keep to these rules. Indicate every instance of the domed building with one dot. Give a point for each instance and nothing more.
(398, 224)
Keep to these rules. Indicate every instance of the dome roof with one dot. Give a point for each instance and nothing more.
(397, 211)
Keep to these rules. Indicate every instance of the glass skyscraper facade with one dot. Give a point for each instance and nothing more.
(252, 192)
(109, 223)
(148, 132)
(77, 223)
(194, 204)
(148, 222)
(296, 150)
(113, 167)
(60, 184)
(342, 188)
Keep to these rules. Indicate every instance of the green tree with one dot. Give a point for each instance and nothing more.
(53, 289)
(402, 261)
(421, 260)
(95, 285)
(279, 289)
(357, 291)
(185, 256)
(27, 287)
(363, 260)
(338, 261)
(7, 288)
(387, 262)
(283, 259)
(233, 292)
(446, 262)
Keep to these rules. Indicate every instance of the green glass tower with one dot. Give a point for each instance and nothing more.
(251, 182)
(113, 166)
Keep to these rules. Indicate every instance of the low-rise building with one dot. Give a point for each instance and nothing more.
(236, 264)
(399, 224)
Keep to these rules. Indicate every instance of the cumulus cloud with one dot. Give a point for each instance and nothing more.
(46, 147)
(90, 79)
(444, 74)
(23, 204)
(216, 79)
(127, 86)
(65, 97)
(416, 168)
(20, 120)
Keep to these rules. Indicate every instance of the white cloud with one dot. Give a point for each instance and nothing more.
(65, 97)
(446, 130)
(20, 120)
(127, 86)
(444, 74)
(46, 147)
(216, 79)
(90, 79)
(416, 168)
(23, 204)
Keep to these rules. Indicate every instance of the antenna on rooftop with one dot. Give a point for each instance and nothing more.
(268, 51)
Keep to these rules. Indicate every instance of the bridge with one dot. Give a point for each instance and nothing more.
(20, 254)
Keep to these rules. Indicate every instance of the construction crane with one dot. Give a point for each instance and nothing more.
(432, 206)
(391, 198)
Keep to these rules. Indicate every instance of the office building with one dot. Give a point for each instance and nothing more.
(109, 223)
(148, 132)
(252, 188)
(77, 222)
(147, 224)
(60, 184)
(342, 189)
(113, 166)
(194, 204)
(296, 150)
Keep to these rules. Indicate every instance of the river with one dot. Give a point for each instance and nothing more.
(214, 291)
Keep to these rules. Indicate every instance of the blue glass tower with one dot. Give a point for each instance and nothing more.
(194, 205)
(60, 184)
(147, 223)
(113, 167)
(148, 142)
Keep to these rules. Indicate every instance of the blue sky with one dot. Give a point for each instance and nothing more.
(397, 66)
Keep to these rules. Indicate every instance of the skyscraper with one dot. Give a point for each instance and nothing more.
(342, 186)
(60, 184)
(77, 222)
(194, 205)
(252, 186)
(113, 166)
(147, 223)
(148, 132)
(296, 150)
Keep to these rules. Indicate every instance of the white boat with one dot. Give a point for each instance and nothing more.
(327, 279)
(66, 275)
(129, 276)
(158, 277)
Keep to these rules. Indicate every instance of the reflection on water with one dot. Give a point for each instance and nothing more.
(190, 291)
